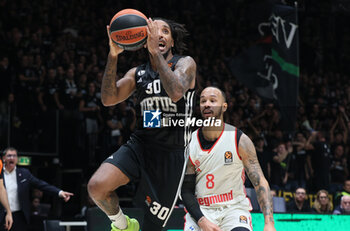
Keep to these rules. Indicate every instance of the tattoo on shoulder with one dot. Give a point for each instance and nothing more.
(190, 74)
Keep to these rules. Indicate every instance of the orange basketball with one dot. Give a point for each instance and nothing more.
(128, 29)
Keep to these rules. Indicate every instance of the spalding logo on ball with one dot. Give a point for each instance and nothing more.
(128, 29)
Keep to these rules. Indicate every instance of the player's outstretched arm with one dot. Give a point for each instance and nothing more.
(113, 92)
(176, 82)
(256, 176)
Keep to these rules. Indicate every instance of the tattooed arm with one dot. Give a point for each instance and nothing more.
(256, 176)
(176, 82)
(113, 91)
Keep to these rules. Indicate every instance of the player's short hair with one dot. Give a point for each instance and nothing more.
(221, 91)
(9, 149)
(178, 32)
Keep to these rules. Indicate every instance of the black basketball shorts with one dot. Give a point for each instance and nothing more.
(159, 172)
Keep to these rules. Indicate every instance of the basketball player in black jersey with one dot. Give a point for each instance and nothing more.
(164, 86)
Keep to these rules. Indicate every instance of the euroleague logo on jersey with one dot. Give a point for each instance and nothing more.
(243, 219)
(228, 157)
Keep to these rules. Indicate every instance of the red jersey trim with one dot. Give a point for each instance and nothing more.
(191, 161)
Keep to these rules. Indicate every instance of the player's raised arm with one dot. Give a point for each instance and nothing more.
(256, 176)
(113, 92)
(176, 82)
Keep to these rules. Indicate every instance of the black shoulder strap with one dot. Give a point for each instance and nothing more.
(173, 61)
(238, 137)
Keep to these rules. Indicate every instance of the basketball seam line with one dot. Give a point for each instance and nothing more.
(127, 28)
(131, 14)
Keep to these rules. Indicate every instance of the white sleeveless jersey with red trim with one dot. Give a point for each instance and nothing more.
(219, 171)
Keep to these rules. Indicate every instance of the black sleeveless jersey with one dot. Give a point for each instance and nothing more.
(160, 121)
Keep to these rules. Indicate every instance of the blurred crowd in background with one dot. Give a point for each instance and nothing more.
(52, 59)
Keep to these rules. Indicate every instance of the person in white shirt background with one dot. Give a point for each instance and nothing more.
(18, 182)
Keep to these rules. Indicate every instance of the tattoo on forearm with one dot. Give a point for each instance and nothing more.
(108, 87)
(264, 198)
(253, 172)
(256, 176)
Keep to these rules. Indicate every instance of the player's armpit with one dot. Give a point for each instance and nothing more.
(256, 176)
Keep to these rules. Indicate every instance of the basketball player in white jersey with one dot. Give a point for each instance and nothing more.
(213, 190)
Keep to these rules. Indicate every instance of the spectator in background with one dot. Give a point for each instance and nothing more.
(320, 159)
(300, 203)
(69, 91)
(339, 170)
(279, 166)
(322, 204)
(301, 170)
(48, 92)
(35, 206)
(128, 119)
(264, 157)
(27, 84)
(83, 85)
(71, 120)
(113, 137)
(6, 73)
(18, 182)
(90, 106)
(344, 207)
(345, 192)
(339, 131)
(48, 101)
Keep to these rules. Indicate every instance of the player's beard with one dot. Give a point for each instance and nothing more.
(219, 114)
